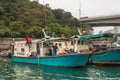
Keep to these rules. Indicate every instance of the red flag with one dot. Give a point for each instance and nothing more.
(62, 35)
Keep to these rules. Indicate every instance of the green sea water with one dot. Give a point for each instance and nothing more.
(15, 71)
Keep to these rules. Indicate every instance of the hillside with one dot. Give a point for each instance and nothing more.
(19, 18)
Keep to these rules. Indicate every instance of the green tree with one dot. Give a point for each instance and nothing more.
(65, 18)
(23, 17)
(6, 32)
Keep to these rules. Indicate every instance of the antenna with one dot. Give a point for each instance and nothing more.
(37, 1)
(44, 12)
(79, 10)
(46, 36)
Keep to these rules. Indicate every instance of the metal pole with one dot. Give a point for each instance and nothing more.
(37, 1)
(79, 9)
(44, 12)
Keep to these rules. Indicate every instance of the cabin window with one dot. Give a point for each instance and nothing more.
(45, 45)
(22, 50)
(60, 44)
(83, 42)
(72, 42)
(79, 42)
(38, 47)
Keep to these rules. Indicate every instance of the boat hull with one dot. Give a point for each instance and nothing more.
(58, 61)
(5, 55)
(106, 58)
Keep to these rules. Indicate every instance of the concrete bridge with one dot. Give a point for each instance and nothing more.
(111, 20)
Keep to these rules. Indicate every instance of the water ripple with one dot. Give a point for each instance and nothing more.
(15, 71)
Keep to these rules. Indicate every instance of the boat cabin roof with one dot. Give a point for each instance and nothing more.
(56, 39)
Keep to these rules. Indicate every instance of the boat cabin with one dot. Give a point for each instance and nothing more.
(21, 49)
(40, 48)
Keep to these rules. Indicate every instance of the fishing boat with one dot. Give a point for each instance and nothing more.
(4, 50)
(38, 53)
(4, 55)
(106, 52)
(107, 57)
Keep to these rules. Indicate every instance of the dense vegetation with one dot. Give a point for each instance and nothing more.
(19, 18)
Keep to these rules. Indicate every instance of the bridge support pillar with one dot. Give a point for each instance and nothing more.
(116, 29)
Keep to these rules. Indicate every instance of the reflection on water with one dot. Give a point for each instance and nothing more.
(104, 73)
(15, 71)
(47, 73)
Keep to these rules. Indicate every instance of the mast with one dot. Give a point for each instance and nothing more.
(37, 1)
(44, 12)
(79, 10)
